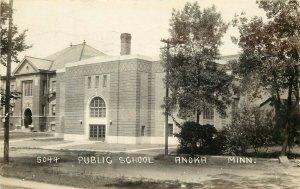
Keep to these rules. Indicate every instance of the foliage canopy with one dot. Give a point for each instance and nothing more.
(18, 39)
(195, 80)
(269, 60)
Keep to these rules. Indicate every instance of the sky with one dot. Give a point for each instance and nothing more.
(54, 24)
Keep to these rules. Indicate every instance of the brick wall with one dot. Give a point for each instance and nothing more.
(60, 100)
(74, 101)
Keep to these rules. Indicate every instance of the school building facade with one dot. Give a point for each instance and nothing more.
(81, 93)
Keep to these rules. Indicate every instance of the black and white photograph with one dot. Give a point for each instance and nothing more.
(150, 94)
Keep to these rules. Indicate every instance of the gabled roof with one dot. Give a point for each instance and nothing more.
(58, 60)
(73, 53)
(37, 63)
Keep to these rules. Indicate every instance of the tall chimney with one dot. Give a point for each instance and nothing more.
(125, 43)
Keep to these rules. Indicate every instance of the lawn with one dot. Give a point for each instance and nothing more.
(25, 134)
(162, 174)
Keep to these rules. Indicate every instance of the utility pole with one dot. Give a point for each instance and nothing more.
(173, 43)
(167, 96)
(7, 90)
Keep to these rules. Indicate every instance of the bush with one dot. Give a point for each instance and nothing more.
(251, 128)
(199, 139)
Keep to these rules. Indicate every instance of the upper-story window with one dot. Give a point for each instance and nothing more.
(27, 88)
(89, 82)
(104, 80)
(53, 86)
(97, 81)
(208, 113)
(97, 107)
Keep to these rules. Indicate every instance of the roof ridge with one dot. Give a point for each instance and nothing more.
(66, 50)
(38, 58)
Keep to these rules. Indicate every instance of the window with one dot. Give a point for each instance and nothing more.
(43, 110)
(53, 109)
(97, 82)
(53, 86)
(143, 130)
(27, 88)
(44, 87)
(89, 82)
(170, 129)
(104, 80)
(97, 107)
(208, 113)
(12, 88)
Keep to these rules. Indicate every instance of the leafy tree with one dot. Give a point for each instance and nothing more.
(269, 60)
(196, 82)
(11, 43)
(13, 95)
(18, 45)
(18, 39)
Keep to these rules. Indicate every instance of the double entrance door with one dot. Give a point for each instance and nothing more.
(97, 132)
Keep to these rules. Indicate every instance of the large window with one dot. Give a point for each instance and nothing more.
(27, 88)
(97, 107)
(208, 113)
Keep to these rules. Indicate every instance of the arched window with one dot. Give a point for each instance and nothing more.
(97, 107)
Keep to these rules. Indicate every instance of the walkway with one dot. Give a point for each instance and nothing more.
(50, 143)
(12, 183)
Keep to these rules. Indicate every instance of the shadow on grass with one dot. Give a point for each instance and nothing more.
(290, 155)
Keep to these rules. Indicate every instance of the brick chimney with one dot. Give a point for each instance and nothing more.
(125, 43)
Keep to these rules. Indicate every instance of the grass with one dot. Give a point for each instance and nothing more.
(22, 135)
(272, 152)
(276, 154)
(26, 168)
(52, 175)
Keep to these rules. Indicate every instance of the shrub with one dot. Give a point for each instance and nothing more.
(251, 128)
(198, 139)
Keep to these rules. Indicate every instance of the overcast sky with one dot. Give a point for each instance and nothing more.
(54, 24)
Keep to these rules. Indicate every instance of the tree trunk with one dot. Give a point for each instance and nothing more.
(197, 117)
(286, 139)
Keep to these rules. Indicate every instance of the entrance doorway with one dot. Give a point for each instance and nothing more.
(97, 132)
(27, 117)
